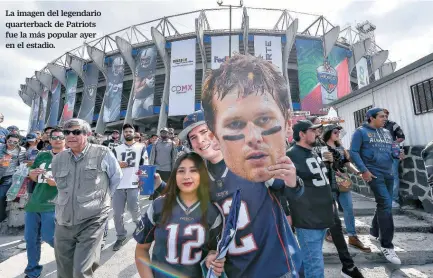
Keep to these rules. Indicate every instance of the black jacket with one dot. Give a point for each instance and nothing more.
(395, 130)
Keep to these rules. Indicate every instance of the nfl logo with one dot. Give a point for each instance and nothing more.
(219, 183)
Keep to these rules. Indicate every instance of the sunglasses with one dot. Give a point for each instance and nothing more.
(75, 132)
(336, 132)
(61, 137)
(12, 142)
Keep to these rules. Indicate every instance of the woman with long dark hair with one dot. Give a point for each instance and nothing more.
(342, 164)
(182, 223)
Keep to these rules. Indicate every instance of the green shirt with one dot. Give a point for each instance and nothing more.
(42, 198)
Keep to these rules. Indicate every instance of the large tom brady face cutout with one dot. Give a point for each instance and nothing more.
(251, 132)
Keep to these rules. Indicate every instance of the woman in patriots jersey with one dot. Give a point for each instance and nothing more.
(182, 223)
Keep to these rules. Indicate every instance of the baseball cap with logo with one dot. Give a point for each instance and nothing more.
(190, 122)
(330, 127)
(303, 125)
(31, 137)
(372, 112)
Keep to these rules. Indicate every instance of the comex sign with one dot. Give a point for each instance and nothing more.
(180, 89)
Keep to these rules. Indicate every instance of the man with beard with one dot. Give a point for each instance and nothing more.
(144, 83)
(163, 155)
(114, 141)
(312, 213)
(130, 155)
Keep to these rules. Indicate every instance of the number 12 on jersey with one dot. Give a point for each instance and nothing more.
(129, 157)
(248, 244)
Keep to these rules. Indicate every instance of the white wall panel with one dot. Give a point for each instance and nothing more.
(396, 96)
(345, 110)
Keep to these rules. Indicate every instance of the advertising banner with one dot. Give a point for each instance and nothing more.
(71, 90)
(321, 81)
(182, 78)
(220, 49)
(269, 48)
(55, 103)
(89, 93)
(35, 114)
(43, 108)
(377, 75)
(362, 73)
(144, 82)
(113, 91)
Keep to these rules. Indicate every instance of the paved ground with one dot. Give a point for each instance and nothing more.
(413, 240)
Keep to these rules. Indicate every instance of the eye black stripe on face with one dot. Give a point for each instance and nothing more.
(233, 137)
(272, 130)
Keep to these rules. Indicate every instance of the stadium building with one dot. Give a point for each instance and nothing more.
(151, 73)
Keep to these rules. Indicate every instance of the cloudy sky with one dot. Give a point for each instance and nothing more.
(403, 27)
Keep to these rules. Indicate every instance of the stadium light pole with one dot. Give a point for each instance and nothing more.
(241, 4)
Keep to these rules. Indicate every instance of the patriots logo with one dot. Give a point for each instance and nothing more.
(327, 77)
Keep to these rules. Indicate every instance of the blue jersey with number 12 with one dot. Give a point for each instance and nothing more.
(264, 243)
(181, 243)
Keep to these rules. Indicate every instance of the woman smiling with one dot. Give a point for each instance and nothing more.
(182, 222)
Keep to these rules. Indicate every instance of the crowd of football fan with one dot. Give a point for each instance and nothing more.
(78, 176)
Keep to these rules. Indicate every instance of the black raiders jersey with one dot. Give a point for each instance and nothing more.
(183, 242)
(111, 144)
(314, 209)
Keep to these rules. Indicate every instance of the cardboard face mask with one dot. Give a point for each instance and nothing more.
(251, 133)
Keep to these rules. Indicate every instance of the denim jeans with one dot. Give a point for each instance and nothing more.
(339, 241)
(311, 243)
(39, 226)
(5, 184)
(383, 223)
(345, 199)
(396, 188)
